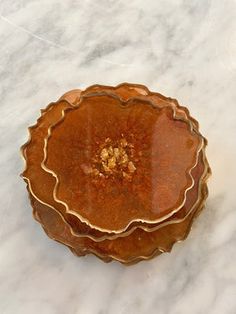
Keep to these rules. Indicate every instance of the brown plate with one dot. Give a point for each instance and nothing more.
(34, 152)
(129, 156)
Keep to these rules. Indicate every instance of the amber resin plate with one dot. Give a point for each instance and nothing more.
(116, 171)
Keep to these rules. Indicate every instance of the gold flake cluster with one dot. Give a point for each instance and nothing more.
(113, 159)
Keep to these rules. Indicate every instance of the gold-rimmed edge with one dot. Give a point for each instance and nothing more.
(34, 126)
(42, 113)
(156, 251)
(148, 93)
(180, 108)
(27, 180)
(81, 218)
(145, 228)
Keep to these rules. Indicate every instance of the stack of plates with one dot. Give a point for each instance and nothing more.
(119, 172)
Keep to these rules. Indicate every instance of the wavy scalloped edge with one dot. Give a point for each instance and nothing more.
(34, 126)
(148, 93)
(134, 220)
(43, 111)
(137, 259)
(64, 97)
(205, 173)
(156, 251)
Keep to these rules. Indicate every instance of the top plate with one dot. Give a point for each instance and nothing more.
(119, 161)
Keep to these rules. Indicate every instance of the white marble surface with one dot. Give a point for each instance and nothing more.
(184, 49)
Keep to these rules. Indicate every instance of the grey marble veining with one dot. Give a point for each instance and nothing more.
(184, 49)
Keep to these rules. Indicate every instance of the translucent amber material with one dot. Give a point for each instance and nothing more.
(154, 189)
(116, 171)
(128, 249)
